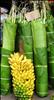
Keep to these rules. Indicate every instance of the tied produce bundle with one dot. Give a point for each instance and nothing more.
(24, 39)
(8, 45)
(40, 57)
(22, 71)
(50, 39)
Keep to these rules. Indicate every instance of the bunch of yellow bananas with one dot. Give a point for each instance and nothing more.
(22, 71)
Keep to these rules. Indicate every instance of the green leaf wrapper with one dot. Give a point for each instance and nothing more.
(24, 39)
(8, 46)
(50, 39)
(40, 57)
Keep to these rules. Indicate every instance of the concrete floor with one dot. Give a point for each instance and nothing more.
(35, 97)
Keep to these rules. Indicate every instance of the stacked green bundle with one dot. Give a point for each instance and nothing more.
(9, 32)
(24, 38)
(40, 57)
(50, 37)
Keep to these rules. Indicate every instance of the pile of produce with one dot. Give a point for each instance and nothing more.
(22, 71)
(31, 37)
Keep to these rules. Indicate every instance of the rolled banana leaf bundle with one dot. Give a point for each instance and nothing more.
(40, 57)
(24, 39)
(50, 38)
(8, 46)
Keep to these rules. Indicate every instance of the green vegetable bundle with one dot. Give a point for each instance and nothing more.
(8, 45)
(50, 37)
(40, 57)
(24, 41)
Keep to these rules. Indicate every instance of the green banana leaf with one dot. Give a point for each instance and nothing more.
(50, 39)
(40, 57)
(8, 46)
(24, 39)
(0, 69)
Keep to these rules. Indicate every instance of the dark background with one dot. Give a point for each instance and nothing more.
(6, 3)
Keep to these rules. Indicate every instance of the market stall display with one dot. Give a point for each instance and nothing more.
(27, 50)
